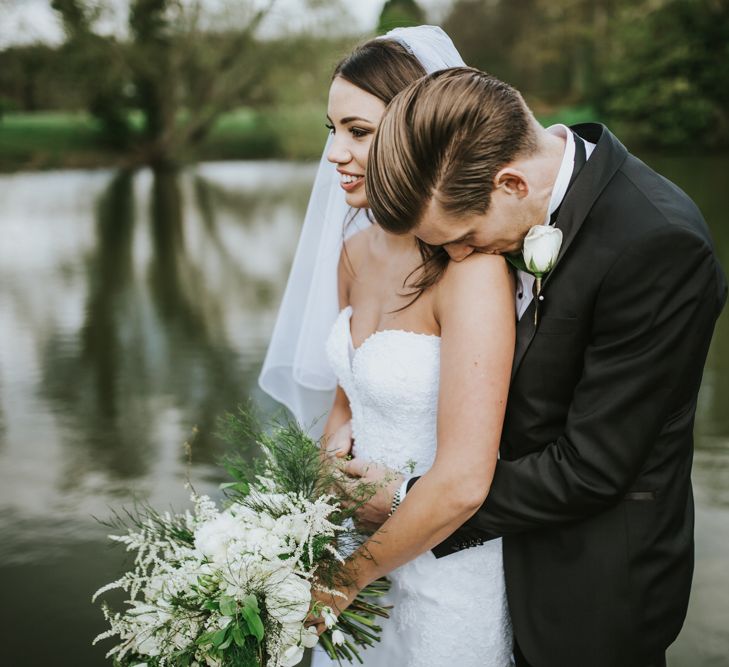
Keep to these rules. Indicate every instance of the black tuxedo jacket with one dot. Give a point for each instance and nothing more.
(592, 493)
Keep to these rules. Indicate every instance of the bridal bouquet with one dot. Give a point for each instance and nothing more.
(231, 586)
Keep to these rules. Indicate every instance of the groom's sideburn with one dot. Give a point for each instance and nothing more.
(592, 493)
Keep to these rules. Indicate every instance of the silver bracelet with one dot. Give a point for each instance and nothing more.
(396, 500)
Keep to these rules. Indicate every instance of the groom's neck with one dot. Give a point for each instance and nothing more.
(542, 166)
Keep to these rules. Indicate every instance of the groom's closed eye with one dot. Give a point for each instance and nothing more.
(463, 239)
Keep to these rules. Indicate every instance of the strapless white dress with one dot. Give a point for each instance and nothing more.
(447, 612)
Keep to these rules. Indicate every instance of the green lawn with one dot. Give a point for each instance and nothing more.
(55, 139)
(48, 139)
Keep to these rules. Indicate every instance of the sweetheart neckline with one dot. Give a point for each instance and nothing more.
(374, 334)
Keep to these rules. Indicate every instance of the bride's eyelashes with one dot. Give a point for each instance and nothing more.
(357, 132)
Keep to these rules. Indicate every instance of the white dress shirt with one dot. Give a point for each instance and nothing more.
(525, 281)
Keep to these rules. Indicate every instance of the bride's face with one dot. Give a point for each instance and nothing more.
(353, 116)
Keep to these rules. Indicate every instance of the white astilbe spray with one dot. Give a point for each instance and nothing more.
(231, 586)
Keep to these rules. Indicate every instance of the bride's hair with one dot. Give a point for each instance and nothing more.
(384, 68)
(380, 67)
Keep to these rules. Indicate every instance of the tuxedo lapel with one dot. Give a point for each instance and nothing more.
(525, 331)
(605, 160)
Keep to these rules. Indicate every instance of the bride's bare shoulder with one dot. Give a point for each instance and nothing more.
(477, 275)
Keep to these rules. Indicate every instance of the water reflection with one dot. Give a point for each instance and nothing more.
(153, 320)
(135, 305)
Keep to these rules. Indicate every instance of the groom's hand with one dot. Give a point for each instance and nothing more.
(377, 509)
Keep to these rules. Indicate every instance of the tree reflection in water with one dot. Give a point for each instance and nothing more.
(175, 322)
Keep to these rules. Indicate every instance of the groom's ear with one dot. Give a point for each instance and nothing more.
(511, 181)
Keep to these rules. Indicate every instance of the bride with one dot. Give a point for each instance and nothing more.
(414, 351)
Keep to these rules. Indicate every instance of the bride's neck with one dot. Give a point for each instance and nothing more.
(395, 243)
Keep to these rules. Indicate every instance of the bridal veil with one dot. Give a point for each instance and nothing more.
(296, 371)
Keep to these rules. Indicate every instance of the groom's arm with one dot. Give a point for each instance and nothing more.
(653, 321)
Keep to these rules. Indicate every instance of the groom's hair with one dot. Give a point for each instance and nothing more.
(444, 138)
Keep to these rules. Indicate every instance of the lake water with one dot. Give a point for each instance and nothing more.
(136, 306)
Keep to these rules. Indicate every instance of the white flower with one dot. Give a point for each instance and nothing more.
(310, 637)
(330, 618)
(272, 547)
(541, 248)
(149, 646)
(292, 656)
(213, 538)
(289, 601)
(337, 638)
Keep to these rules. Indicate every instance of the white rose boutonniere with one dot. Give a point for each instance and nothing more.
(541, 249)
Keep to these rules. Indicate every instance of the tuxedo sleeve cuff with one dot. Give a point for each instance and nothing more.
(407, 485)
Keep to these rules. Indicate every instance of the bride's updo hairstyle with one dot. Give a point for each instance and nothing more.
(444, 139)
(384, 68)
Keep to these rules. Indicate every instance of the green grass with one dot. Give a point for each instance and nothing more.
(61, 139)
(48, 139)
(294, 134)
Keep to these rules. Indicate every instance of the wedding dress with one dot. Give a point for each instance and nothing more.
(447, 612)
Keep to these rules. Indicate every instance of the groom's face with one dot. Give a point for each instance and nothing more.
(500, 230)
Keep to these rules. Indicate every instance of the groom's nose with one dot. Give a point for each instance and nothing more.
(458, 251)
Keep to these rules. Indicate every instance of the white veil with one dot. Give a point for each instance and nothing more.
(296, 371)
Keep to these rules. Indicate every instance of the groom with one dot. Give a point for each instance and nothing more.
(592, 492)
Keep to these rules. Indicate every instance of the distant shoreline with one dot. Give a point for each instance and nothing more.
(74, 140)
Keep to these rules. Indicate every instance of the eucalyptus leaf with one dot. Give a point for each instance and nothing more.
(255, 625)
(228, 606)
(219, 637)
(239, 635)
(252, 602)
(205, 638)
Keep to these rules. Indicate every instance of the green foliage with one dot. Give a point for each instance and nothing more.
(398, 14)
(245, 630)
(657, 70)
(292, 459)
(52, 138)
(670, 79)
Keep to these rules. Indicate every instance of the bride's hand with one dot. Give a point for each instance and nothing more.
(336, 603)
(377, 509)
(339, 445)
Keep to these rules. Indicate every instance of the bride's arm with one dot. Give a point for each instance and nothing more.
(336, 440)
(337, 436)
(475, 308)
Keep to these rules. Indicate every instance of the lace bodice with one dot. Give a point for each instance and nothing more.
(391, 381)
